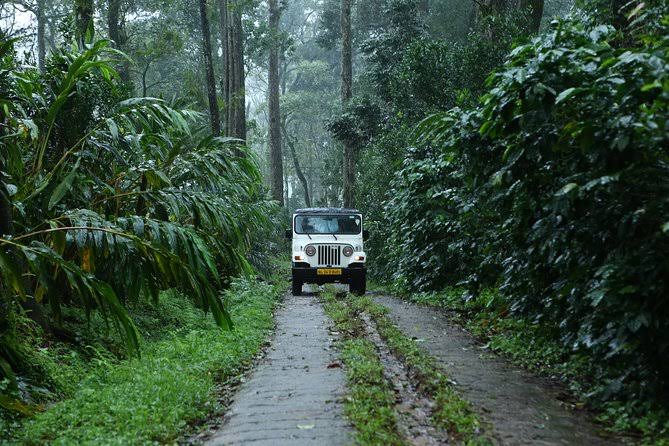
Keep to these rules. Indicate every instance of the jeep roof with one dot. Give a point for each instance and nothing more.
(327, 211)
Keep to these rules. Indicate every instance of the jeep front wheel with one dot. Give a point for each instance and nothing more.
(358, 286)
(297, 288)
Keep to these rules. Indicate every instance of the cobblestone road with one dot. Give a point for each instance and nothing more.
(293, 396)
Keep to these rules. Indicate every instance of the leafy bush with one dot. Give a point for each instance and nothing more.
(106, 202)
(433, 75)
(425, 76)
(555, 188)
(152, 398)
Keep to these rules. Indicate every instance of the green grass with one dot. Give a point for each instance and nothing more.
(452, 413)
(370, 399)
(369, 404)
(154, 398)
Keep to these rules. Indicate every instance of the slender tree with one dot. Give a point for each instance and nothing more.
(233, 79)
(276, 159)
(117, 33)
(346, 93)
(236, 106)
(536, 10)
(296, 164)
(83, 17)
(224, 33)
(41, 38)
(214, 115)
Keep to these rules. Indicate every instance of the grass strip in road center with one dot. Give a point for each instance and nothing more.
(451, 412)
(370, 401)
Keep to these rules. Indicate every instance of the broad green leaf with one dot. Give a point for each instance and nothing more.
(566, 189)
(157, 179)
(63, 188)
(566, 94)
(113, 128)
(11, 272)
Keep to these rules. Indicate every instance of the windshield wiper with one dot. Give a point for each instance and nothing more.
(334, 236)
(309, 235)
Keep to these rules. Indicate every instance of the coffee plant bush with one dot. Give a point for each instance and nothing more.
(556, 189)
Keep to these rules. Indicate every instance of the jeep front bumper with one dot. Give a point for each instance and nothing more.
(305, 274)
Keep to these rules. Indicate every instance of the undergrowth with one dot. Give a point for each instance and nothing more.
(103, 397)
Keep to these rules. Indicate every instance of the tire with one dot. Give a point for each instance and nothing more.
(358, 286)
(297, 288)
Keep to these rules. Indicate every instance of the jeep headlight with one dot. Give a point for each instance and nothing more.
(348, 251)
(310, 250)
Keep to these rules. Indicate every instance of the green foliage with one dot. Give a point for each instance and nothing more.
(555, 188)
(151, 399)
(426, 76)
(113, 201)
(434, 75)
(403, 23)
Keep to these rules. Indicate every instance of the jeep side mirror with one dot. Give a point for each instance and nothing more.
(365, 234)
(289, 234)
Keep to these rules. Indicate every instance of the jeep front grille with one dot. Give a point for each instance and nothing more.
(329, 255)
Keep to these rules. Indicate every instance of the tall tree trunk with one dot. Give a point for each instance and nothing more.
(346, 86)
(286, 188)
(41, 38)
(276, 159)
(52, 33)
(83, 17)
(237, 102)
(233, 80)
(224, 32)
(7, 325)
(214, 115)
(116, 29)
(298, 168)
(536, 10)
(113, 24)
(6, 221)
(491, 7)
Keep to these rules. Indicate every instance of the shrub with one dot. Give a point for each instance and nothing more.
(556, 187)
(105, 202)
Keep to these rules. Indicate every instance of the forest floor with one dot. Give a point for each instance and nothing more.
(359, 379)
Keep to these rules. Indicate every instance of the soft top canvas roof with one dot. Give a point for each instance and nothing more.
(327, 211)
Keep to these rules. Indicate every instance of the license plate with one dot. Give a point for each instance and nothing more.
(328, 271)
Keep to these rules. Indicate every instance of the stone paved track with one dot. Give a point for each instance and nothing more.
(292, 398)
(523, 408)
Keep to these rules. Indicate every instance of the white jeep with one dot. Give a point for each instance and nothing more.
(328, 248)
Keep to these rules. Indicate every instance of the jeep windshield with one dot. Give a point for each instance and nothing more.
(328, 224)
